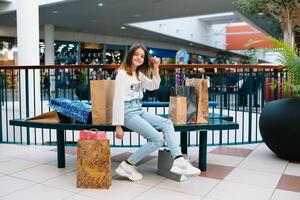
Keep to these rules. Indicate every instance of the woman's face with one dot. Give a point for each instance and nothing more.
(138, 57)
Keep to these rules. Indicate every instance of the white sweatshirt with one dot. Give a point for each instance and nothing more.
(128, 88)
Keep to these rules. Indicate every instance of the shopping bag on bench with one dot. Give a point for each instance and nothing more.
(102, 94)
(93, 163)
(178, 109)
(201, 86)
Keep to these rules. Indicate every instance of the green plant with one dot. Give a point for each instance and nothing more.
(282, 10)
(291, 65)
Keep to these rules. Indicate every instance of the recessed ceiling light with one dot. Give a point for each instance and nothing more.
(100, 4)
(191, 44)
(123, 27)
(55, 11)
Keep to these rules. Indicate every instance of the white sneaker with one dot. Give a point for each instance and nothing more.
(129, 171)
(184, 167)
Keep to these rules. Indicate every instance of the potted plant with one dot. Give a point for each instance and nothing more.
(279, 121)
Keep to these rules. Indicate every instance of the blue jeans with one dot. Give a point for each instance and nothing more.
(148, 125)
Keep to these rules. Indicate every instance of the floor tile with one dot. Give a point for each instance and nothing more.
(288, 182)
(285, 195)
(10, 184)
(41, 173)
(120, 189)
(65, 182)
(38, 192)
(231, 151)
(150, 177)
(292, 169)
(230, 161)
(68, 150)
(245, 146)
(79, 197)
(123, 156)
(70, 162)
(215, 171)
(158, 193)
(252, 177)
(264, 160)
(16, 165)
(5, 158)
(236, 191)
(194, 185)
(41, 157)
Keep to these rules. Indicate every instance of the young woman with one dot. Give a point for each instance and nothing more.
(130, 81)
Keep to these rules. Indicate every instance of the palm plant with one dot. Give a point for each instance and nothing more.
(291, 66)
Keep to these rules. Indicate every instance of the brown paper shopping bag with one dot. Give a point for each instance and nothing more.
(93, 164)
(178, 109)
(202, 98)
(102, 94)
(51, 117)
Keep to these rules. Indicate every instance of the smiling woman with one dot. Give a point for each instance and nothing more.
(131, 80)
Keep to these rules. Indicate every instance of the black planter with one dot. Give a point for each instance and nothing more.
(279, 125)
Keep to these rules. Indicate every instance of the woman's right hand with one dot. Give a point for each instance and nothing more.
(119, 132)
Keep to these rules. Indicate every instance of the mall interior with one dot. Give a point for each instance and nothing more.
(52, 49)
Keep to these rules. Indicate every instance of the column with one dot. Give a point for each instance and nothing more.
(28, 53)
(49, 53)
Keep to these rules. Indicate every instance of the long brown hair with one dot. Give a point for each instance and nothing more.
(145, 68)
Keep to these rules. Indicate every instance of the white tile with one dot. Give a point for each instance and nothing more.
(40, 173)
(70, 162)
(293, 169)
(245, 146)
(16, 165)
(252, 177)
(194, 185)
(158, 193)
(264, 160)
(150, 177)
(41, 157)
(79, 197)
(236, 191)
(230, 161)
(38, 192)
(5, 158)
(64, 182)
(10, 184)
(124, 190)
(285, 195)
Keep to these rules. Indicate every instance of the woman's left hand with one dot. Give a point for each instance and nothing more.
(155, 61)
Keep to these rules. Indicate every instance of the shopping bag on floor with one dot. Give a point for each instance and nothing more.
(201, 86)
(93, 164)
(92, 134)
(102, 94)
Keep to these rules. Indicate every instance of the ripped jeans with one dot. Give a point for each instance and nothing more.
(148, 125)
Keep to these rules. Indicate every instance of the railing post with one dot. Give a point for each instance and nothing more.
(27, 103)
(250, 104)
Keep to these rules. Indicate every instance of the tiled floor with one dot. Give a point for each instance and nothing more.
(247, 172)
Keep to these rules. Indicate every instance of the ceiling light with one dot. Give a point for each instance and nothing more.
(55, 12)
(191, 44)
(123, 27)
(136, 15)
(261, 13)
(100, 4)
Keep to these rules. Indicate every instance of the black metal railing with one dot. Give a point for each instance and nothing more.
(240, 90)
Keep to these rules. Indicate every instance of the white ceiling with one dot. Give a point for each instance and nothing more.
(86, 16)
